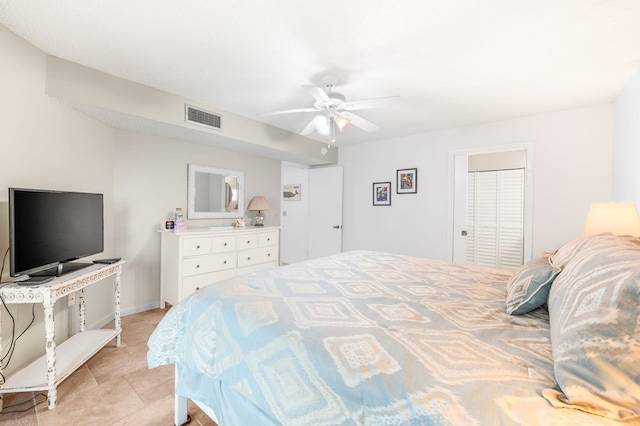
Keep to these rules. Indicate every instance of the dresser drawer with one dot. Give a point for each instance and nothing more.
(258, 255)
(222, 244)
(205, 264)
(267, 239)
(196, 246)
(247, 241)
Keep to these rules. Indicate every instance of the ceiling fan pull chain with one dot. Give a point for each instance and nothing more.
(333, 129)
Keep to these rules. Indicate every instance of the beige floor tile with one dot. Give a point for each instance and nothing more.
(153, 316)
(15, 405)
(79, 382)
(113, 363)
(145, 378)
(151, 395)
(169, 385)
(158, 413)
(138, 332)
(110, 402)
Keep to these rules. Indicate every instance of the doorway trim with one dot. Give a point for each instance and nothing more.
(528, 191)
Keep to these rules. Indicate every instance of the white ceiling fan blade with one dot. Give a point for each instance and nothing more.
(289, 111)
(318, 93)
(358, 121)
(309, 128)
(368, 103)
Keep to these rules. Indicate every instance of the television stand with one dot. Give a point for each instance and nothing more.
(48, 371)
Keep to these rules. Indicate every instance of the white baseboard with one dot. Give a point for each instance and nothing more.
(123, 313)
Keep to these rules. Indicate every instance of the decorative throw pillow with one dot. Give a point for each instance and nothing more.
(528, 287)
(595, 329)
(564, 254)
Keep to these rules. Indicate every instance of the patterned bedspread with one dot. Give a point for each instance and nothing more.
(367, 338)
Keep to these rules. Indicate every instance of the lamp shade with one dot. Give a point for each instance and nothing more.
(617, 218)
(258, 203)
(341, 122)
(321, 123)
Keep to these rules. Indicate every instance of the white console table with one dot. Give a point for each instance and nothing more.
(46, 372)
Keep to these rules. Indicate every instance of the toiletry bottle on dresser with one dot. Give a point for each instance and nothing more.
(179, 221)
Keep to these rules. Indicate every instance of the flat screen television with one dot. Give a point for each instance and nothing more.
(49, 229)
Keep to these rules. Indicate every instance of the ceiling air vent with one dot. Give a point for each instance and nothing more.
(203, 118)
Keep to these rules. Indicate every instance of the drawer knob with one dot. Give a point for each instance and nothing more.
(268, 239)
(197, 247)
(225, 244)
(225, 262)
(197, 266)
(197, 288)
(268, 254)
(248, 258)
(248, 241)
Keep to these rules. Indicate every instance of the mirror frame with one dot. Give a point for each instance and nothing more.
(191, 193)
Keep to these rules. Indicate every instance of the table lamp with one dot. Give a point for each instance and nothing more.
(258, 204)
(617, 218)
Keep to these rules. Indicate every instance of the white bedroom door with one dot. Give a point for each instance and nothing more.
(460, 222)
(325, 211)
(295, 215)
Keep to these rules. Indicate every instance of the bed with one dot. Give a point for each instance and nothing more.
(369, 338)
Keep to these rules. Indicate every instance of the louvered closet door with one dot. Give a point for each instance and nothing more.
(495, 218)
(471, 217)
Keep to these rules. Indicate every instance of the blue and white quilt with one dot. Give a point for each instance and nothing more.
(365, 338)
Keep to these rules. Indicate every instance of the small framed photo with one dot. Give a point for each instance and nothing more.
(407, 181)
(382, 194)
(291, 191)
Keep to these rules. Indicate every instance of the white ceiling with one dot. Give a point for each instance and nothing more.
(451, 62)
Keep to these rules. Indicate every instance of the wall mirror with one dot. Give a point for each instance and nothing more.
(214, 193)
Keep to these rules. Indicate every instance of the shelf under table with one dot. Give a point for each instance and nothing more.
(70, 355)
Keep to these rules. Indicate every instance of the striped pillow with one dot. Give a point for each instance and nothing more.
(594, 311)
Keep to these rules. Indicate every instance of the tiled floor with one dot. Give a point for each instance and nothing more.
(115, 387)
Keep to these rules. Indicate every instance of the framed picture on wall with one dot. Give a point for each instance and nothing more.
(407, 181)
(291, 191)
(382, 194)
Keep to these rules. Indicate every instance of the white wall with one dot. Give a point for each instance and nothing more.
(572, 169)
(150, 180)
(46, 145)
(626, 144)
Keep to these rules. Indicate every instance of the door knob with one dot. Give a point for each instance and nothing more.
(336, 227)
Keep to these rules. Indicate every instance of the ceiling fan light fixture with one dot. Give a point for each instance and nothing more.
(342, 122)
(321, 123)
(334, 111)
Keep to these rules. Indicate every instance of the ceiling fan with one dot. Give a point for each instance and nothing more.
(334, 110)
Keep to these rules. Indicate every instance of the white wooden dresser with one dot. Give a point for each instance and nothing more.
(197, 257)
